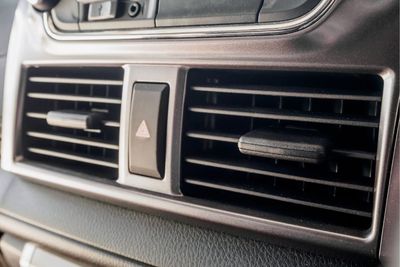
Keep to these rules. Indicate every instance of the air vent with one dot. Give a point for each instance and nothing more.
(333, 189)
(71, 119)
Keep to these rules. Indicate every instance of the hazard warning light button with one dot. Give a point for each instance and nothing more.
(147, 131)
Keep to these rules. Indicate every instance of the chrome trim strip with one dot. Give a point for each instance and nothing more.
(192, 32)
(74, 98)
(36, 115)
(111, 124)
(74, 81)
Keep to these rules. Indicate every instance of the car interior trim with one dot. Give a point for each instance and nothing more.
(273, 28)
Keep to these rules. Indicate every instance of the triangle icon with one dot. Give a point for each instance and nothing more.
(143, 130)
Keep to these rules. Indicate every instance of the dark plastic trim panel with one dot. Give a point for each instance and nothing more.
(126, 234)
(63, 245)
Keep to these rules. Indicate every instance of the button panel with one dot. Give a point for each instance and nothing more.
(102, 10)
(148, 121)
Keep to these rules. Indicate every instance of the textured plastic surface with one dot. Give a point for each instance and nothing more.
(19, 232)
(195, 12)
(147, 132)
(146, 238)
(287, 144)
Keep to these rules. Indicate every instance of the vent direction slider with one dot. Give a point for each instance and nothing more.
(287, 144)
(74, 119)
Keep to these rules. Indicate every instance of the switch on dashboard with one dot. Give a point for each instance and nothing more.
(147, 133)
(102, 10)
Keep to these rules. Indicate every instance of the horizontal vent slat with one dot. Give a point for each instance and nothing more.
(76, 98)
(59, 80)
(214, 136)
(73, 157)
(216, 184)
(90, 151)
(73, 140)
(36, 115)
(43, 116)
(291, 92)
(114, 124)
(343, 110)
(285, 115)
(358, 154)
(279, 172)
(233, 138)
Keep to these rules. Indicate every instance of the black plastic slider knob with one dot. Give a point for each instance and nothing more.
(286, 144)
(43, 5)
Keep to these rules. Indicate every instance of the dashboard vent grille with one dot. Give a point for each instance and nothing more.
(88, 151)
(221, 106)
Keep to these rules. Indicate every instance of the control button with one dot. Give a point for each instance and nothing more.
(102, 10)
(148, 123)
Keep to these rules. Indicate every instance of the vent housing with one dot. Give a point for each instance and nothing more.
(223, 105)
(88, 152)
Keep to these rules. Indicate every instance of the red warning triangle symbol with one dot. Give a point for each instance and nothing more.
(143, 130)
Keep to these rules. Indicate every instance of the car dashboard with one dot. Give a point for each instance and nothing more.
(200, 133)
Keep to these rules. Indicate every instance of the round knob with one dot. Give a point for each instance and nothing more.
(43, 5)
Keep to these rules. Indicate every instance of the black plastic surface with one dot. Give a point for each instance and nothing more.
(280, 10)
(145, 238)
(195, 12)
(148, 129)
(62, 245)
(287, 144)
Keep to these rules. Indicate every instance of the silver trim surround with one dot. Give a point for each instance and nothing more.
(174, 76)
(196, 31)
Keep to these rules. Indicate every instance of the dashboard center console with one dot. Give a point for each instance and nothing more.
(263, 119)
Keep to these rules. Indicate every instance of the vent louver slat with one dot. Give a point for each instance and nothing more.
(286, 115)
(336, 193)
(92, 152)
